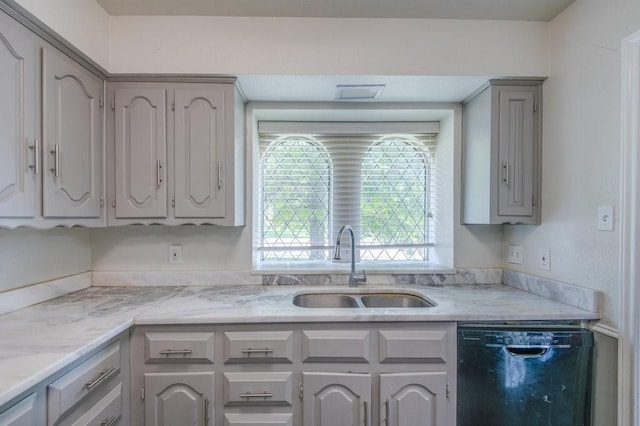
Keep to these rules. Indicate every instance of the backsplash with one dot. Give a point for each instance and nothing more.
(461, 276)
(569, 294)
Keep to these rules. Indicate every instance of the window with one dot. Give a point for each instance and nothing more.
(311, 183)
(296, 189)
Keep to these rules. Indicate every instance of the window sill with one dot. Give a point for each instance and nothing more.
(371, 267)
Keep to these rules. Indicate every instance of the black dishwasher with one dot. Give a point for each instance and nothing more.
(515, 375)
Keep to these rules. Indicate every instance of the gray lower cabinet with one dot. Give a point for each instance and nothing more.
(416, 398)
(345, 399)
(92, 391)
(307, 374)
(176, 153)
(247, 419)
(336, 399)
(178, 399)
(501, 153)
(29, 411)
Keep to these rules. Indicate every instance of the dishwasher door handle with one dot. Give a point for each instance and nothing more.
(527, 351)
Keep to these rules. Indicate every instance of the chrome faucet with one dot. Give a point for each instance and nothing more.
(354, 278)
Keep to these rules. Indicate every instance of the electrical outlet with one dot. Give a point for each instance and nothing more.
(605, 218)
(544, 259)
(175, 253)
(515, 255)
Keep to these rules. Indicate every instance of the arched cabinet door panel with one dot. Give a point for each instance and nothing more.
(336, 399)
(178, 399)
(72, 131)
(413, 399)
(140, 153)
(199, 153)
(19, 140)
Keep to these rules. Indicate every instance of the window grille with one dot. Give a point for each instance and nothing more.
(312, 183)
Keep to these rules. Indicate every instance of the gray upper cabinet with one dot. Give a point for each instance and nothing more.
(72, 143)
(51, 135)
(177, 153)
(501, 153)
(19, 141)
(141, 153)
(199, 153)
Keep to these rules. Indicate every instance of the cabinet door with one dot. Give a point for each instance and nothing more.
(19, 161)
(517, 151)
(140, 153)
(413, 399)
(24, 413)
(199, 153)
(336, 399)
(72, 160)
(178, 399)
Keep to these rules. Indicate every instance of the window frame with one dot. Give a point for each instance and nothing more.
(431, 128)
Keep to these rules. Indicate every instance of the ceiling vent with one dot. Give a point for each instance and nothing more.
(358, 92)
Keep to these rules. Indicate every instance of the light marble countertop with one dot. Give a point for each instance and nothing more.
(39, 340)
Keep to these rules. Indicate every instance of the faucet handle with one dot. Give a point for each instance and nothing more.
(361, 278)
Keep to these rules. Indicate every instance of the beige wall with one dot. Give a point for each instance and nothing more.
(326, 46)
(31, 256)
(82, 22)
(581, 149)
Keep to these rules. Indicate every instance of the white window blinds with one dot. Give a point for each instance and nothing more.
(377, 177)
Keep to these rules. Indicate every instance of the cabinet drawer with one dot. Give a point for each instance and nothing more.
(106, 412)
(335, 346)
(413, 346)
(258, 346)
(89, 377)
(168, 347)
(258, 419)
(258, 389)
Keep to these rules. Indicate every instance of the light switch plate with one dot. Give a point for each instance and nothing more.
(605, 218)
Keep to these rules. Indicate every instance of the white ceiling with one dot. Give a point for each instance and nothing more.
(518, 10)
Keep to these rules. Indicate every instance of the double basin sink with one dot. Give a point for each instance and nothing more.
(360, 300)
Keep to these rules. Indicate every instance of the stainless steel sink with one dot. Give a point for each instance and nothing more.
(325, 300)
(394, 300)
(360, 300)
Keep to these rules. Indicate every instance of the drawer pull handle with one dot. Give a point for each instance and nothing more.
(256, 395)
(110, 421)
(257, 351)
(101, 376)
(176, 352)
